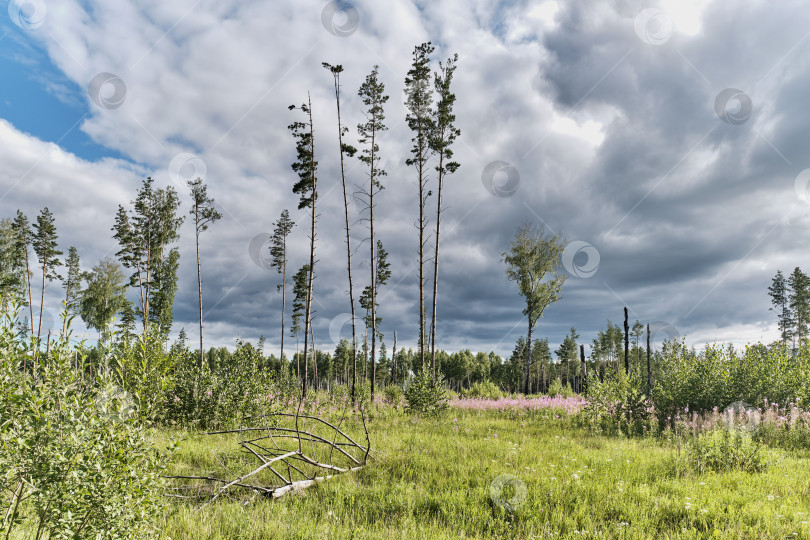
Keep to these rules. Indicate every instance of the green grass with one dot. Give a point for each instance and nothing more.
(431, 479)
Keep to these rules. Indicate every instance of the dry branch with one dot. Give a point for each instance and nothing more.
(344, 455)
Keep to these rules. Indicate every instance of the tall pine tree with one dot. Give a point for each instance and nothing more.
(420, 121)
(205, 213)
(372, 91)
(307, 188)
(278, 252)
(441, 141)
(46, 248)
(780, 297)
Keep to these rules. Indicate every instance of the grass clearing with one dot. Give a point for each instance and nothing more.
(432, 478)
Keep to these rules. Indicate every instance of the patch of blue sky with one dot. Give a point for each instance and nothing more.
(37, 98)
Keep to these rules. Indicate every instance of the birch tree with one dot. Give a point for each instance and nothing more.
(532, 262)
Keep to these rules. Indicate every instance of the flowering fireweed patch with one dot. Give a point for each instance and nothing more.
(570, 405)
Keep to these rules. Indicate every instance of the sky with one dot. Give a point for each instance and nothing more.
(665, 142)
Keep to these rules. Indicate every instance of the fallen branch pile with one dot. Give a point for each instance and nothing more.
(290, 452)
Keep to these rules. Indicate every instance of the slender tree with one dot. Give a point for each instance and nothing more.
(626, 344)
(780, 297)
(441, 140)
(46, 248)
(372, 92)
(306, 187)
(649, 370)
(532, 257)
(799, 301)
(144, 236)
(205, 213)
(104, 296)
(13, 277)
(278, 252)
(367, 301)
(637, 331)
(346, 150)
(420, 121)
(72, 283)
(300, 280)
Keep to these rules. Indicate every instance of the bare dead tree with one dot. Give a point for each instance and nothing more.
(346, 149)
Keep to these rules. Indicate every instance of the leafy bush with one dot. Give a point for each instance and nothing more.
(485, 389)
(618, 405)
(425, 396)
(393, 395)
(723, 450)
(145, 371)
(556, 388)
(220, 395)
(718, 376)
(74, 461)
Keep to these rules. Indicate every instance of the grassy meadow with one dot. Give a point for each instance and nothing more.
(432, 478)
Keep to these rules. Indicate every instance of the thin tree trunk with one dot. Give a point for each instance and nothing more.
(373, 275)
(199, 279)
(583, 373)
(314, 358)
(307, 319)
(421, 265)
(283, 294)
(626, 344)
(649, 371)
(436, 266)
(41, 302)
(394, 360)
(336, 75)
(30, 301)
(528, 358)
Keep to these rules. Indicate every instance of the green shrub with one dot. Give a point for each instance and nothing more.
(425, 396)
(619, 405)
(75, 461)
(222, 394)
(485, 390)
(393, 395)
(723, 450)
(556, 388)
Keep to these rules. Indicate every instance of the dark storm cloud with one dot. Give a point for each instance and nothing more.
(615, 143)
